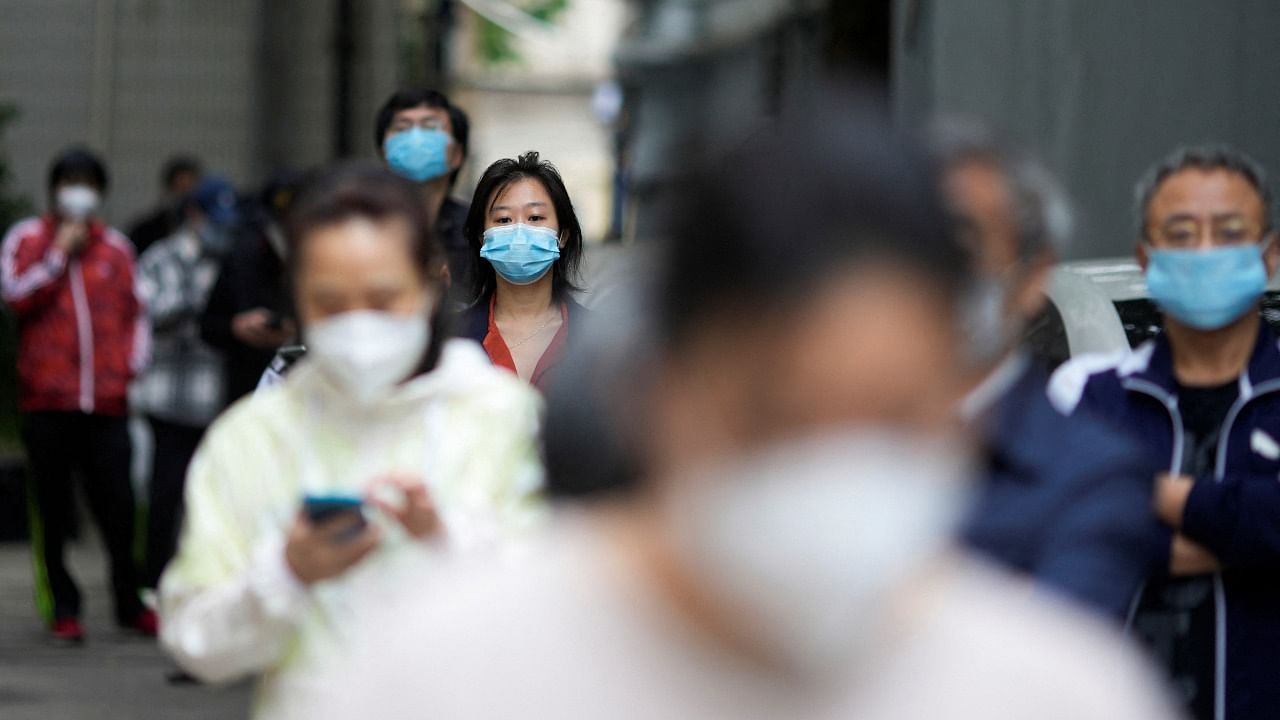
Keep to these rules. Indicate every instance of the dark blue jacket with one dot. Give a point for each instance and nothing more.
(1235, 513)
(1063, 500)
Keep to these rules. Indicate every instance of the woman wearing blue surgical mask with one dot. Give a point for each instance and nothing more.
(386, 446)
(528, 245)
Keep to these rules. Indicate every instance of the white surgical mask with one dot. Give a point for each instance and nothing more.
(806, 543)
(367, 352)
(77, 202)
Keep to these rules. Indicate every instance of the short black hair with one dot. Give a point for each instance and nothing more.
(369, 190)
(179, 165)
(1201, 157)
(823, 189)
(78, 163)
(498, 177)
(416, 97)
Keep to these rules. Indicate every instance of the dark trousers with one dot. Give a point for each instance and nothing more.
(60, 445)
(173, 446)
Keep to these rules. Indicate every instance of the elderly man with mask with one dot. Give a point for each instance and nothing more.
(783, 549)
(1203, 398)
(1063, 500)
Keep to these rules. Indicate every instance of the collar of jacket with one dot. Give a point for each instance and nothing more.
(1152, 362)
(473, 321)
(97, 228)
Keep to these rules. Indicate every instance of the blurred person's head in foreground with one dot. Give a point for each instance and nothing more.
(1011, 215)
(361, 263)
(1205, 239)
(422, 136)
(797, 460)
(76, 185)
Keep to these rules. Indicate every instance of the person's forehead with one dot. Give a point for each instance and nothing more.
(419, 113)
(1201, 191)
(521, 192)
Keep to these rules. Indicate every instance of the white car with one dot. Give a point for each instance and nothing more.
(1103, 306)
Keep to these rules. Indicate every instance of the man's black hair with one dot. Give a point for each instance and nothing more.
(78, 163)
(1200, 157)
(416, 97)
(498, 177)
(827, 187)
(180, 165)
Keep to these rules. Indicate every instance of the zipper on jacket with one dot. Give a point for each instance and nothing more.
(84, 336)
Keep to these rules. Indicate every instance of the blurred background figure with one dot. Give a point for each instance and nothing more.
(248, 316)
(1201, 398)
(82, 335)
(526, 244)
(784, 550)
(423, 138)
(1064, 502)
(179, 177)
(387, 445)
(183, 389)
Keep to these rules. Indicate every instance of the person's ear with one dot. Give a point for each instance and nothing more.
(455, 155)
(1270, 255)
(1140, 254)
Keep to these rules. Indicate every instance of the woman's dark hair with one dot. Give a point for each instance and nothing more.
(497, 178)
(78, 163)
(417, 97)
(362, 189)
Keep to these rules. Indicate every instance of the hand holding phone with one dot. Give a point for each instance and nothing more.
(328, 537)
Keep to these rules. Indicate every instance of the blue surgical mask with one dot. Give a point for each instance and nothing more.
(1207, 289)
(419, 154)
(521, 253)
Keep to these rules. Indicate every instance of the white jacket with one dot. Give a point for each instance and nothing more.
(230, 607)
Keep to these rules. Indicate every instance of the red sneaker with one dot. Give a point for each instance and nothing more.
(147, 623)
(68, 630)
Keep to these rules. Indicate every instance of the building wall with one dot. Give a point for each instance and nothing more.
(1100, 89)
(247, 85)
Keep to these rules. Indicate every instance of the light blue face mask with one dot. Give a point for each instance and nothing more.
(1207, 289)
(420, 154)
(521, 253)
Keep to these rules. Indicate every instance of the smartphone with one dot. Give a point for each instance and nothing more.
(322, 508)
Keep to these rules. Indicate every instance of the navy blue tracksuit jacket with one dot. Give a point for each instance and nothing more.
(1235, 513)
(1063, 500)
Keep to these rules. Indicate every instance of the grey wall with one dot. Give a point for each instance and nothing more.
(247, 85)
(1100, 88)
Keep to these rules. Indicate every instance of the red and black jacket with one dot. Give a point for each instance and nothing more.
(82, 333)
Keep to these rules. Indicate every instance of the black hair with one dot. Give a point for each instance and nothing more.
(179, 165)
(1200, 157)
(498, 177)
(817, 193)
(78, 163)
(368, 190)
(409, 98)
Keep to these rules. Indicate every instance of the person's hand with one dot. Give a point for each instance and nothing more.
(319, 552)
(1169, 499)
(417, 513)
(254, 328)
(1187, 557)
(71, 236)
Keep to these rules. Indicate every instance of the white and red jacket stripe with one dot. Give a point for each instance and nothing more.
(82, 334)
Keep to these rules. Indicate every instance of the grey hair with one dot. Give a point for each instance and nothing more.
(1200, 157)
(1041, 207)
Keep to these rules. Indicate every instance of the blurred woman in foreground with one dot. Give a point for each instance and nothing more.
(528, 246)
(384, 442)
(785, 548)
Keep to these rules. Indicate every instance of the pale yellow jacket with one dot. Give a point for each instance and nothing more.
(230, 607)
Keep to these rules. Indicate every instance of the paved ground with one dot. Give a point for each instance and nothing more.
(111, 676)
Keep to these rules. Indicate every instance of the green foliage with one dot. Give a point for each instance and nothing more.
(13, 207)
(494, 43)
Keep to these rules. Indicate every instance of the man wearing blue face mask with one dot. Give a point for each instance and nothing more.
(1204, 398)
(423, 137)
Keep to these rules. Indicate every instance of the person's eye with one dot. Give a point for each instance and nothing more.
(503, 220)
(536, 218)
